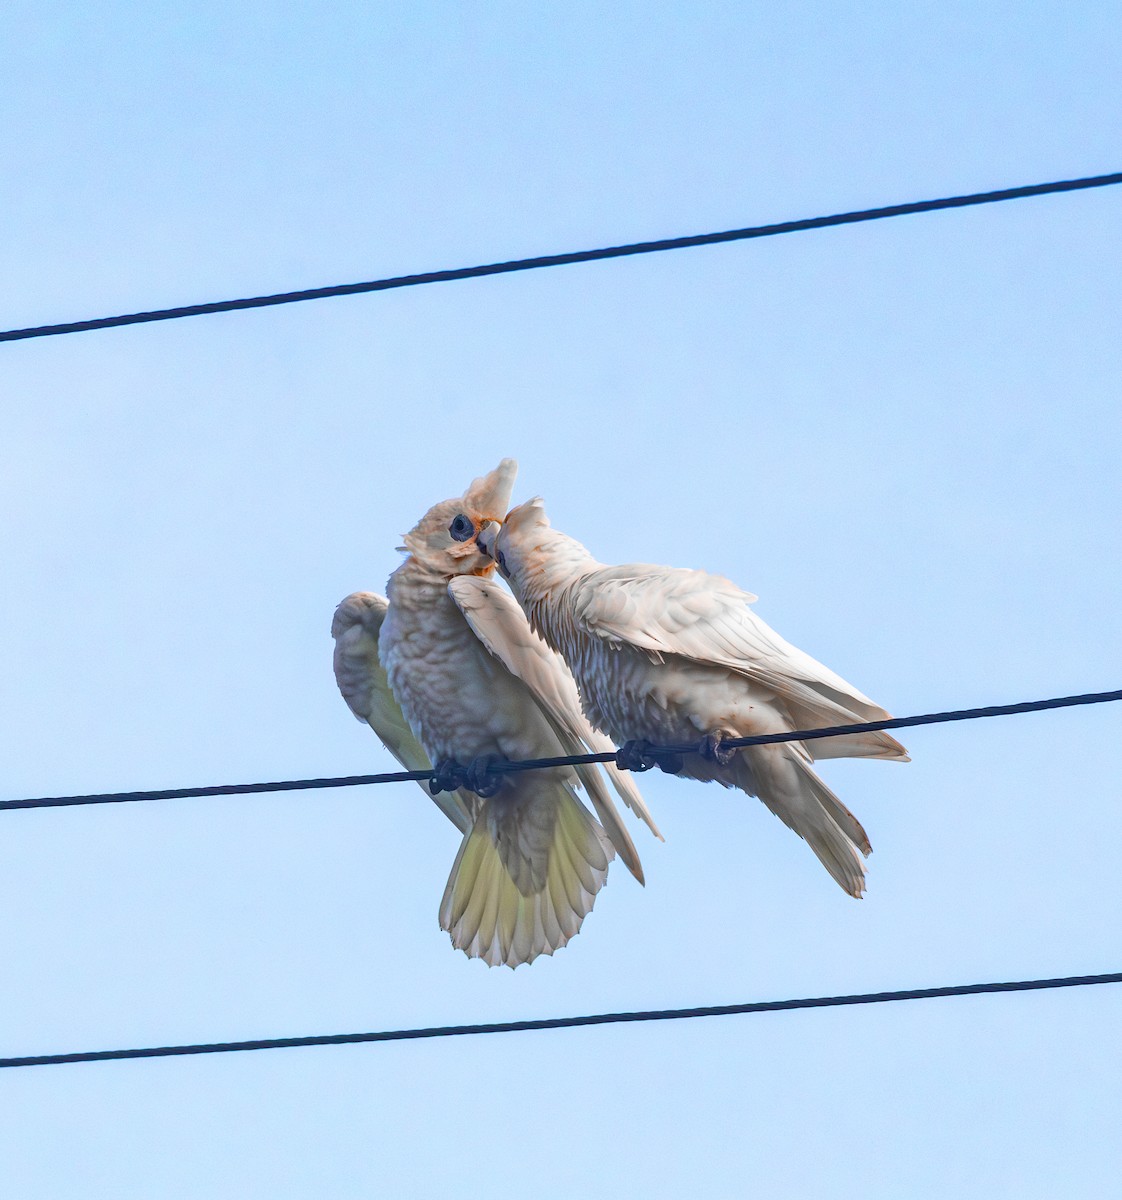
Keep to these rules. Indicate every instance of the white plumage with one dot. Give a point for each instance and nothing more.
(677, 656)
(450, 671)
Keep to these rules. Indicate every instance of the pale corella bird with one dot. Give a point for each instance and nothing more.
(668, 656)
(451, 674)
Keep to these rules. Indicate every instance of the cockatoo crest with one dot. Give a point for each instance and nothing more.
(516, 543)
(444, 538)
(529, 516)
(524, 522)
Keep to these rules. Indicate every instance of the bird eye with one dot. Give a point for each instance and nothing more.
(462, 529)
(501, 560)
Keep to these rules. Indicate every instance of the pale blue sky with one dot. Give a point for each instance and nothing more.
(903, 436)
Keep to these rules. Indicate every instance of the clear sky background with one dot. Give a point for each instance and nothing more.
(903, 436)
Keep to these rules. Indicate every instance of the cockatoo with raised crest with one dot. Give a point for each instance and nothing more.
(450, 673)
(671, 657)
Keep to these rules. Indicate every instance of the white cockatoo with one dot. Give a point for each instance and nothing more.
(449, 673)
(663, 655)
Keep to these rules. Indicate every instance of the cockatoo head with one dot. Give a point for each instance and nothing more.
(514, 543)
(445, 537)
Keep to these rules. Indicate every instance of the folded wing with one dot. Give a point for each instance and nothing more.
(694, 615)
(499, 623)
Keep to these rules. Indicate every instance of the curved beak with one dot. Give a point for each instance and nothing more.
(486, 537)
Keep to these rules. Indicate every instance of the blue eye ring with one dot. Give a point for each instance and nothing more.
(462, 528)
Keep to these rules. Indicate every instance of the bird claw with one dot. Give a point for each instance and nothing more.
(447, 776)
(637, 754)
(481, 778)
(711, 747)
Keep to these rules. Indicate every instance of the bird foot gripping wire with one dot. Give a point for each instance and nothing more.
(478, 777)
(712, 748)
(637, 754)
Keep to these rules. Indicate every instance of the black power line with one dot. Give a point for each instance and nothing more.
(578, 256)
(619, 1018)
(537, 764)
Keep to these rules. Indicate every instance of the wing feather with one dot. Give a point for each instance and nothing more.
(707, 618)
(366, 689)
(499, 623)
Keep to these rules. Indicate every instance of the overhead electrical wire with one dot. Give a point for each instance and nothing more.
(655, 753)
(617, 1018)
(577, 256)
(539, 764)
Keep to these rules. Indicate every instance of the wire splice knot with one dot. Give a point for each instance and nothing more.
(638, 754)
(447, 776)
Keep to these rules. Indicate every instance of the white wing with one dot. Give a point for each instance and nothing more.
(695, 615)
(497, 620)
(362, 680)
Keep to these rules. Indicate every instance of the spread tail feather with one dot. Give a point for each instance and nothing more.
(786, 784)
(877, 744)
(609, 816)
(490, 916)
